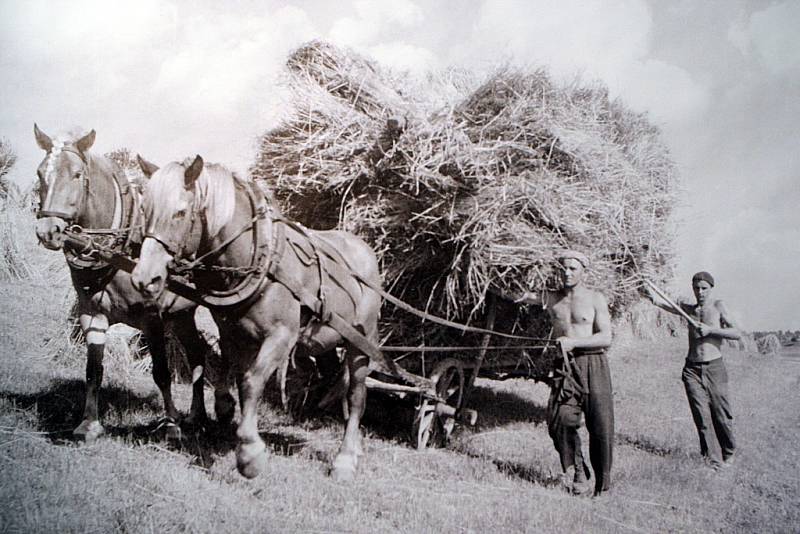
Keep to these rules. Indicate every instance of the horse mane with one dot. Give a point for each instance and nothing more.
(216, 191)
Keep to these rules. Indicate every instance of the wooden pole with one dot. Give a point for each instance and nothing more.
(490, 317)
(674, 306)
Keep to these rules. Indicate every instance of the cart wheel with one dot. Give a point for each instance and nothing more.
(434, 424)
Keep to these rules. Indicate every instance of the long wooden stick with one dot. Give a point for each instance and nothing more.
(674, 306)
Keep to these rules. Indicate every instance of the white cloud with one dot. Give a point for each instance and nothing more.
(404, 57)
(771, 35)
(376, 21)
(573, 35)
(667, 92)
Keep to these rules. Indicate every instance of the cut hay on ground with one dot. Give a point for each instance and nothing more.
(465, 186)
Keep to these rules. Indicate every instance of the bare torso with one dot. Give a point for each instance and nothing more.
(704, 349)
(572, 314)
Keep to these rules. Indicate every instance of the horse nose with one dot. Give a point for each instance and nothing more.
(50, 232)
(150, 288)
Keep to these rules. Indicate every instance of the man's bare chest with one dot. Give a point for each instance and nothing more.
(705, 313)
(573, 311)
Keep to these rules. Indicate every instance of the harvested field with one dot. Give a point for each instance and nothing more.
(500, 476)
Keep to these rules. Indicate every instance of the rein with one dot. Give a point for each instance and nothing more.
(267, 242)
(402, 305)
(181, 266)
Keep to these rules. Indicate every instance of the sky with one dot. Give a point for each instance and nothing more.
(721, 78)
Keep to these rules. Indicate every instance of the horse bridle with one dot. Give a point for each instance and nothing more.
(41, 213)
(177, 245)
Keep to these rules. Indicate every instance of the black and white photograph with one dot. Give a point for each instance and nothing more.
(452, 266)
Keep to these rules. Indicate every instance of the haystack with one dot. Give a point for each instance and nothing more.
(769, 344)
(468, 188)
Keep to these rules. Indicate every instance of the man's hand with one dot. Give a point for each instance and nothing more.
(567, 343)
(705, 330)
(524, 298)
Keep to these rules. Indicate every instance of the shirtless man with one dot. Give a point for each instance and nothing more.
(582, 324)
(704, 374)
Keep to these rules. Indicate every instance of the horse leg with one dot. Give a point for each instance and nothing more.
(162, 375)
(94, 328)
(186, 331)
(224, 403)
(345, 463)
(251, 455)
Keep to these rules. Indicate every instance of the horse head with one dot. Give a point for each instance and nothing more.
(63, 185)
(173, 228)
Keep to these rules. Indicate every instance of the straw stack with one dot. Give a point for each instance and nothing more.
(466, 187)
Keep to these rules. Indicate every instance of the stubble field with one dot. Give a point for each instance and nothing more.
(500, 476)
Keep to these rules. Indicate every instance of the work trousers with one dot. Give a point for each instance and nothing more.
(707, 390)
(592, 396)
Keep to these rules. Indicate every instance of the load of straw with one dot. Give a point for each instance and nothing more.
(467, 189)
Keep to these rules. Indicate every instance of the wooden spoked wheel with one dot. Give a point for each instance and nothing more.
(434, 421)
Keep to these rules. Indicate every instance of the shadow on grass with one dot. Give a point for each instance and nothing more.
(59, 410)
(524, 472)
(499, 408)
(643, 444)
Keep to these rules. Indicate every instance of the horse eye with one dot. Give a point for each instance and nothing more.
(77, 176)
(179, 214)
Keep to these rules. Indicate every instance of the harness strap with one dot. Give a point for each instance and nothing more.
(338, 323)
(334, 255)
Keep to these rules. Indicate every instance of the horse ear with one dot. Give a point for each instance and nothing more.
(193, 171)
(42, 139)
(85, 143)
(148, 168)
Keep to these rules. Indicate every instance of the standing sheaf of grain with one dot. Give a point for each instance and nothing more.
(462, 186)
(21, 258)
(769, 344)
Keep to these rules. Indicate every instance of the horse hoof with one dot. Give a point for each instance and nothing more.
(344, 468)
(224, 407)
(196, 422)
(89, 431)
(251, 459)
(173, 432)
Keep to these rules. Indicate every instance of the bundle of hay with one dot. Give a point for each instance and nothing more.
(467, 188)
(769, 344)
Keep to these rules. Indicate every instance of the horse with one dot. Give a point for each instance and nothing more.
(77, 187)
(261, 268)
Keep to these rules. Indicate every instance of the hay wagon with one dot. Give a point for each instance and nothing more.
(452, 371)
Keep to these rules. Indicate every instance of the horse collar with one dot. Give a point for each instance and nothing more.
(267, 248)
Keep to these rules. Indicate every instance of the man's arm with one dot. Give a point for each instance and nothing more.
(727, 329)
(601, 328)
(659, 302)
(530, 297)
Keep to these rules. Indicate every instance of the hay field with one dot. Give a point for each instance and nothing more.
(500, 476)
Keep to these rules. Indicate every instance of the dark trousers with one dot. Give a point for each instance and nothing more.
(707, 390)
(566, 404)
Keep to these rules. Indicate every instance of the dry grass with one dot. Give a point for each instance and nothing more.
(463, 185)
(490, 180)
(20, 256)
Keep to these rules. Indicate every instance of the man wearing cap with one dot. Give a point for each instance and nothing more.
(582, 325)
(704, 375)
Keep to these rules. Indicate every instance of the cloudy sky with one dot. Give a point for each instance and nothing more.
(721, 77)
